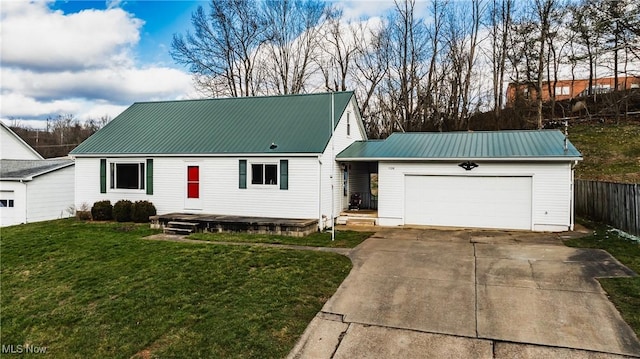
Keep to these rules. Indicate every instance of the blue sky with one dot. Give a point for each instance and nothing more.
(95, 58)
(161, 20)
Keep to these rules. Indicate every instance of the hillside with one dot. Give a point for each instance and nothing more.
(611, 152)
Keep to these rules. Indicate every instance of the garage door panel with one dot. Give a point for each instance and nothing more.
(468, 201)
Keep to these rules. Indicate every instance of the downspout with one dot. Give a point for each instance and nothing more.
(26, 194)
(320, 224)
(572, 215)
(333, 170)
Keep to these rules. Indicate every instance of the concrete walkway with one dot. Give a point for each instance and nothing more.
(471, 294)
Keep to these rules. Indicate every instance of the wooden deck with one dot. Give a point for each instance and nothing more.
(237, 224)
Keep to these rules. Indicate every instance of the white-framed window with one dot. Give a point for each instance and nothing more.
(264, 174)
(6, 203)
(601, 88)
(127, 175)
(562, 90)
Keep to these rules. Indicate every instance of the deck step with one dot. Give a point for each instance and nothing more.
(182, 224)
(361, 221)
(176, 227)
(342, 220)
(172, 230)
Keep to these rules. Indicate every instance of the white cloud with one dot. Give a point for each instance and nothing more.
(82, 64)
(365, 9)
(19, 106)
(34, 36)
(120, 85)
(113, 3)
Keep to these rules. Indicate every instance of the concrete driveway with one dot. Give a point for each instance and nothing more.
(417, 293)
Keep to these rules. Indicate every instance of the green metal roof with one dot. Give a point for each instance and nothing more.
(295, 123)
(504, 145)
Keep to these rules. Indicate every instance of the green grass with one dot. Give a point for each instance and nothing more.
(343, 239)
(623, 292)
(611, 152)
(88, 290)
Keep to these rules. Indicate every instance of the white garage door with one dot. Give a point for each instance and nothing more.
(468, 201)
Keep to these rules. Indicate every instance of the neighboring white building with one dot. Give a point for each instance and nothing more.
(271, 156)
(279, 156)
(32, 189)
(13, 147)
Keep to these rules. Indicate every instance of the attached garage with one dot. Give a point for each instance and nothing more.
(520, 180)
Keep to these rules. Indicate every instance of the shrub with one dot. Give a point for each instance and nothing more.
(102, 211)
(141, 211)
(122, 210)
(83, 213)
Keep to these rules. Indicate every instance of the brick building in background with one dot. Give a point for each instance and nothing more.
(568, 89)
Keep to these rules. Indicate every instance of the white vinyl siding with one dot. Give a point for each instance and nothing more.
(50, 196)
(219, 192)
(551, 189)
(13, 148)
(330, 166)
(17, 214)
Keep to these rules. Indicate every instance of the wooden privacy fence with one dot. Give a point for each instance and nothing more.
(616, 204)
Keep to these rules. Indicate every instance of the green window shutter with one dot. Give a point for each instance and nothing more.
(149, 176)
(103, 175)
(284, 174)
(242, 174)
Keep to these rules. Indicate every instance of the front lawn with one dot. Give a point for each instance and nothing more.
(89, 290)
(343, 239)
(623, 292)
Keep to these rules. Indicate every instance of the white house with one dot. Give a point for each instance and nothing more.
(305, 156)
(271, 156)
(32, 189)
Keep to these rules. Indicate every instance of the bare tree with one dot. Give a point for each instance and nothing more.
(407, 35)
(293, 37)
(431, 95)
(370, 67)
(62, 134)
(221, 53)
(461, 37)
(583, 25)
(500, 20)
(557, 43)
(338, 52)
(543, 9)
